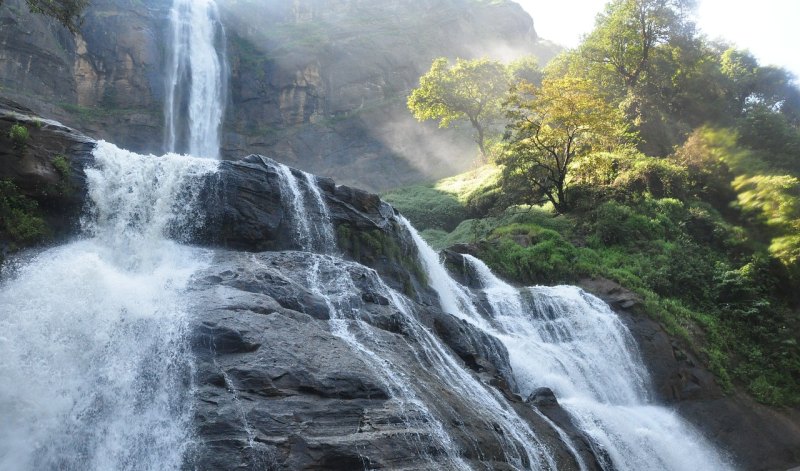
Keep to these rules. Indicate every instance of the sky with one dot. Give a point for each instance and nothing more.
(770, 31)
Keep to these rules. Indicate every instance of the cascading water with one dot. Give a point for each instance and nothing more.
(315, 232)
(197, 75)
(94, 353)
(572, 342)
(329, 278)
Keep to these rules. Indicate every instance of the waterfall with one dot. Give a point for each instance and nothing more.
(94, 353)
(197, 75)
(332, 279)
(570, 341)
(314, 233)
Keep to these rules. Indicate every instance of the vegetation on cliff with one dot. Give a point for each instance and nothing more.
(663, 161)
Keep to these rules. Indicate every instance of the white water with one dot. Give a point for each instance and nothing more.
(330, 280)
(194, 105)
(571, 342)
(520, 444)
(324, 226)
(93, 350)
(313, 233)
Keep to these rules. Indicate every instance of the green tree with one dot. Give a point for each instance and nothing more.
(525, 69)
(775, 201)
(471, 89)
(629, 31)
(551, 126)
(66, 12)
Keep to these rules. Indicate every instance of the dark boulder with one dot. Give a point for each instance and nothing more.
(542, 397)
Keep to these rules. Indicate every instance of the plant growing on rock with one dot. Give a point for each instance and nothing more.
(19, 135)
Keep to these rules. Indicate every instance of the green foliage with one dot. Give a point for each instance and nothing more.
(629, 32)
(552, 126)
(19, 135)
(775, 202)
(450, 201)
(659, 178)
(20, 222)
(62, 166)
(526, 69)
(775, 140)
(702, 222)
(530, 254)
(469, 89)
(427, 208)
(704, 155)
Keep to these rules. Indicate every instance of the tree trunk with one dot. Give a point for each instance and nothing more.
(479, 138)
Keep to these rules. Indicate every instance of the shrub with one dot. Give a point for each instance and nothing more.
(62, 166)
(20, 222)
(19, 135)
(703, 155)
(659, 178)
(531, 254)
(617, 224)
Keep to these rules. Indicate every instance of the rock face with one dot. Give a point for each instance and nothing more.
(106, 81)
(286, 379)
(318, 85)
(46, 167)
(322, 82)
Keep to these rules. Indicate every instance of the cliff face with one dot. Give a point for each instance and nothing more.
(106, 80)
(317, 84)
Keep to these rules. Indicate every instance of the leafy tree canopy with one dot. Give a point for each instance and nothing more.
(469, 89)
(553, 125)
(628, 32)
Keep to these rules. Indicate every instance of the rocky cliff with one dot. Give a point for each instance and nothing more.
(317, 84)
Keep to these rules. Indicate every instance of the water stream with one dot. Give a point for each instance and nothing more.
(196, 82)
(93, 354)
(565, 339)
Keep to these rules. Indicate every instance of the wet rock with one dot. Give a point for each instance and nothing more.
(277, 388)
(47, 167)
(479, 351)
(542, 397)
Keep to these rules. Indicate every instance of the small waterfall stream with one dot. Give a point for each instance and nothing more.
(93, 351)
(570, 341)
(197, 74)
(314, 232)
(330, 279)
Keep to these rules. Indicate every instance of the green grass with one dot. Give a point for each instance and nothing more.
(445, 204)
